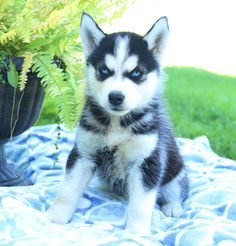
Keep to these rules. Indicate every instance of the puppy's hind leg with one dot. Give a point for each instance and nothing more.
(173, 195)
(79, 172)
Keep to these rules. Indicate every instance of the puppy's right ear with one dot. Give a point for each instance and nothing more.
(157, 37)
(90, 33)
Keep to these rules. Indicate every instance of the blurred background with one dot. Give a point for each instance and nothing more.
(200, 64)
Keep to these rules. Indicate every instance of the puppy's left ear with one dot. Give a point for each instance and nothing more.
(157, 37)
(91, 34)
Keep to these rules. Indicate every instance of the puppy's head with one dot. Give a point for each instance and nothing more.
(123, 68)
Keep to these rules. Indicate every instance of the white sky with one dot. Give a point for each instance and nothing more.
(203, 32)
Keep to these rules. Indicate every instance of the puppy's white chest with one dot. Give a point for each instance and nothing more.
(131, 147)
(116, 135)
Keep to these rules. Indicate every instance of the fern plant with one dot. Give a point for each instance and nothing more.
(39, 31)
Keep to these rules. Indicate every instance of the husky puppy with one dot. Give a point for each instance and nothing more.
(123, 132)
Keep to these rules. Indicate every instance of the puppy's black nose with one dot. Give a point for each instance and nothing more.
(116, 98)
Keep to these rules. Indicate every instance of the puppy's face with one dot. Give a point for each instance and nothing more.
(122, 68)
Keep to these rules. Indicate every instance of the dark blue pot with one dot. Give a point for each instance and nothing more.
(18, 112)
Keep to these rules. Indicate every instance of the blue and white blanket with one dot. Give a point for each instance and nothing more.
(209, 219)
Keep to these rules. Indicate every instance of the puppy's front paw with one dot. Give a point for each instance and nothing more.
(172, 209)
(60, 213)
(138, 228)
(135, 225)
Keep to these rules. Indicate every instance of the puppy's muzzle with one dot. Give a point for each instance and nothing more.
(116, 98)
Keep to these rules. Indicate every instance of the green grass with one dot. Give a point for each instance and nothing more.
(49, 113)
(203, 103)
(199, 103)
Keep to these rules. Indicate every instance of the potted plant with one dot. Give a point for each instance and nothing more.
(40, 53)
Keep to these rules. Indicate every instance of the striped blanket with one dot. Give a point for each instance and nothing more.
(209, 219)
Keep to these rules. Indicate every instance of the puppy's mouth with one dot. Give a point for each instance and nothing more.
(117, 110)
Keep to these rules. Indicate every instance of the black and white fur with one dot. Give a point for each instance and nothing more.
(123, 132)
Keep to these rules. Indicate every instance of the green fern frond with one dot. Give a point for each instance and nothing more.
(9, 36)
(28, 60)
(2, 27)
(56, 84)
(55, 18)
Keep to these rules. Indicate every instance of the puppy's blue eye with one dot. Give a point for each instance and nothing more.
(104, 71)
(136, 74)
